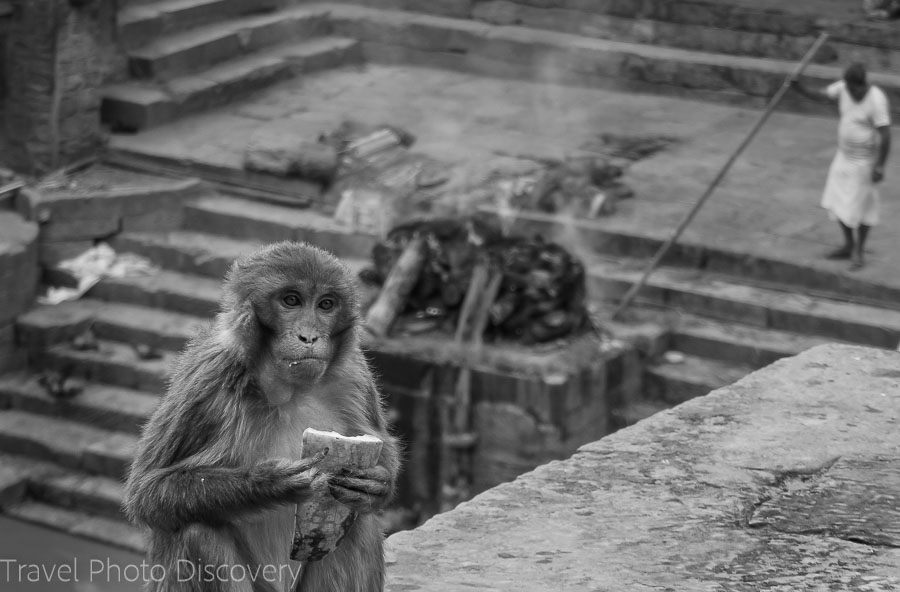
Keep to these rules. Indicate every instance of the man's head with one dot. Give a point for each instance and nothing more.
(855, 79)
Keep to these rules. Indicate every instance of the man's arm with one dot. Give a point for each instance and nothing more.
(884, 149)
(819, 95)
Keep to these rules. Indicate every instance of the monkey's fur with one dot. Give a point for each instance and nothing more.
(218, 472)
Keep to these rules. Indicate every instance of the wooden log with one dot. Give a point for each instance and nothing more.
(397, 286)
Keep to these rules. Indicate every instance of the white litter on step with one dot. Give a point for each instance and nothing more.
(674, 357)
(98, 262)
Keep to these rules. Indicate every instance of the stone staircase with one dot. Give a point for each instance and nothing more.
(707, 330)
(62, 461)
(185, 56)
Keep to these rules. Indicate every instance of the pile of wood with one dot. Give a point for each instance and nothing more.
(427, 267)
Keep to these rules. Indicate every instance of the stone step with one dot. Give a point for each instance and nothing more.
(783, 32)
(248, 220)
(169, 290)
(197, 253)
(99, 405)
(723, 15)
(117, 533)
(675, 383)
(186, 251)
(201, 47)
(598, 20)
(611, 237)
(737, 344)
(112, 363)
(141, 24)
(634, 411)
(136, 105)
(69, 444)
(394, 36)
(44, 326)
(725, 298)
(90, 494)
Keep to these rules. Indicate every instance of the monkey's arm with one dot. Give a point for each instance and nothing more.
(182, 475)
(369, 490)
(171, 497)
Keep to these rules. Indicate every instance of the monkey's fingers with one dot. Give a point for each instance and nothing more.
(305, 464)
(357, 500)
(376, 473)
(364, 486)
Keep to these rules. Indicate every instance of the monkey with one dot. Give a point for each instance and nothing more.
(218, 470)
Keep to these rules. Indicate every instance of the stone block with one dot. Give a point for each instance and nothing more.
(51, 253)
(271, 151)
(169, 219)
(452, 8)
(394, 369)
(11, 356)
(511, 441)
(13, 485)
(80, 229)
(110, 457)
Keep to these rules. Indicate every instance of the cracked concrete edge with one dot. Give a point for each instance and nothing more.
(666, 503)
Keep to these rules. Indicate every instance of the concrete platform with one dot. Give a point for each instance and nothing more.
(767, 206)
(785, 480)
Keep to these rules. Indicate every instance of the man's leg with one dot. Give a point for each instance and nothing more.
(859, 257)
(846, 251)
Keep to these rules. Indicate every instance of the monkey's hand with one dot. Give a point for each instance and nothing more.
(302, 480)
(362, 490)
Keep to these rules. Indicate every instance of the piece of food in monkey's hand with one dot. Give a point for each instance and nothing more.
(321, 524)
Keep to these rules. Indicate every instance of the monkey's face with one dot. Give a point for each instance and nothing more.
(295, 306)
(303, 321)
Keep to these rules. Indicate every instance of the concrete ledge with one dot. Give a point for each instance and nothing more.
(702, 497)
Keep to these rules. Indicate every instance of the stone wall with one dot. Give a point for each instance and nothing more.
(785, 480)
(525, 412)
(57, 58)
(18, 282)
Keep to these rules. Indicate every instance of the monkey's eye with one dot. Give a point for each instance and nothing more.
(291, 300)
(326, 303)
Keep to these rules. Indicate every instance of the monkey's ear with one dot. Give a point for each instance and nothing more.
(238, 326)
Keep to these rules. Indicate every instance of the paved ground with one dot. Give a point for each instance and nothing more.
(64, 563)
(785, 481)
(767, 205)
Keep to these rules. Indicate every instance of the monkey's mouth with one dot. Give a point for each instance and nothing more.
(296, 362)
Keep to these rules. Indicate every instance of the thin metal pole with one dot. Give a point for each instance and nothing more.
(632, 292)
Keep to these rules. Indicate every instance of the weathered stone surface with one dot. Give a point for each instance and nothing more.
(271, 151)
(667, 503)
(112, 532)
(18, 265)
(855, 500)
(59, 57)
(13, 482)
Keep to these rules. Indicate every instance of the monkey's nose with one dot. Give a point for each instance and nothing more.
(308, 340)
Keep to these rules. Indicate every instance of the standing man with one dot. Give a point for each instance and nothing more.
(864, 141)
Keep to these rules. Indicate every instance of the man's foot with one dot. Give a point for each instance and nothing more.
(843, 253)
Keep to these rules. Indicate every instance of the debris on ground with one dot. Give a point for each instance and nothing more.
(881, 9)
(85, 341)
(379, 176)
(88, 268)
(542, 291)
(582, 186)
(629, 147)
(146, 352)
(59, 385)
(270, 151)
(674, 357)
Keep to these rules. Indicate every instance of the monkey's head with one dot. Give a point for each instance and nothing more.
(294, 310)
